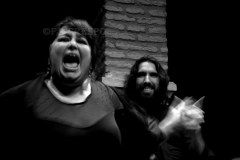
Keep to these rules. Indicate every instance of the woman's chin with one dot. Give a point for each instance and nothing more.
(70, 77)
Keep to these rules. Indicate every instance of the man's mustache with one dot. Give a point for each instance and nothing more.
(147, 85)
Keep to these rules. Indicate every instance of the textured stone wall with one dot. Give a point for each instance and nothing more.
(133, 28)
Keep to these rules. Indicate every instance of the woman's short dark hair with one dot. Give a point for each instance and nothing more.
(83, 27)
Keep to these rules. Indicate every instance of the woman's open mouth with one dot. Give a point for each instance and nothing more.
(71, 61)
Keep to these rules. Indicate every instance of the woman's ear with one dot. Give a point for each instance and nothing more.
(49, 65)
(50, 48)
(49, 62)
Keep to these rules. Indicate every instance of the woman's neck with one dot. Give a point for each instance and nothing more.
(69, 88)
(70, 94)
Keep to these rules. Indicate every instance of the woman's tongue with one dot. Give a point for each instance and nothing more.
(71, 64)
(71, 61)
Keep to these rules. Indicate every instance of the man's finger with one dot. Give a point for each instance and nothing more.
(176, 101)
(199, 103)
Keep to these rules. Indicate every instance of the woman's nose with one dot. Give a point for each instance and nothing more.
(72, 45)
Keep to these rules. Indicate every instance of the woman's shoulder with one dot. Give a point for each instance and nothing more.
(114, 93)
(22, 87)
(102, 87)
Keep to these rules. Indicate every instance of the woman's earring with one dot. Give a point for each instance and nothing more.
(49, 67)
(89, 73)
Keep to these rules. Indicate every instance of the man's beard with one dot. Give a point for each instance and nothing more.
(146, 100)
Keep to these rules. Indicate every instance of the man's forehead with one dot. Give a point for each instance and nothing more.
(147, 67)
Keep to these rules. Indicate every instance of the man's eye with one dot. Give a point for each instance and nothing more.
(141, 74)
(153, 74)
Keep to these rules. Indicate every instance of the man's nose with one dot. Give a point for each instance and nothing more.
(147, 79)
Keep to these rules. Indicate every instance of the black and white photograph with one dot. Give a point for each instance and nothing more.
(119, 80)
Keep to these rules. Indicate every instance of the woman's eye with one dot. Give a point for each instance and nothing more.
(63, 39)
(82, 41)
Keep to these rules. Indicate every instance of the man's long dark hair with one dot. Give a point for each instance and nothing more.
(130, 82)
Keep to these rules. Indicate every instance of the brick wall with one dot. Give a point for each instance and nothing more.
(133, 28)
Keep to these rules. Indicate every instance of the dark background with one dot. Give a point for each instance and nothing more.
(203, 62)
(202, 59)
(26, 34)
